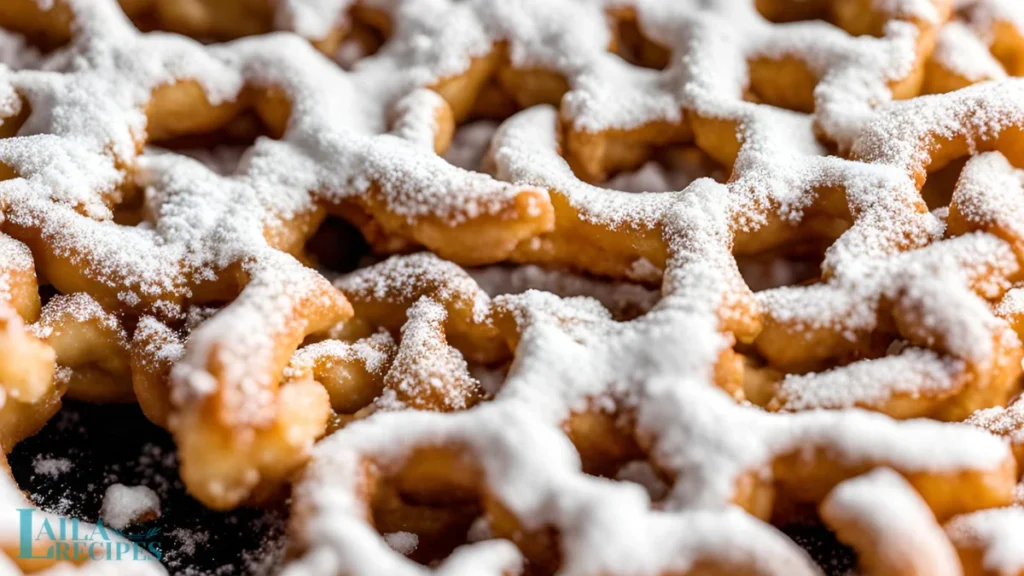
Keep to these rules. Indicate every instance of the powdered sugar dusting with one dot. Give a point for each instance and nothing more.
(960, 51)
(362, 143)
(52, 467)
(993, 533)
(883, 508)
(871, 383)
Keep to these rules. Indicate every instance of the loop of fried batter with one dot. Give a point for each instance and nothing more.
(810, 452)
(26, 364)
(875, 513)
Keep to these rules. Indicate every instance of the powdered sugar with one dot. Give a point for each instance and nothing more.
(426, 370)
(402, 542)
(983, 15)
(993, 533)
(872, 383)
(52, 467)
(127, 505)
(960, 51)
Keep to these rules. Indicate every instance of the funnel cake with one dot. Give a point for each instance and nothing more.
(507, 352)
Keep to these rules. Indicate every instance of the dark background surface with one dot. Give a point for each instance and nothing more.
(110, 444)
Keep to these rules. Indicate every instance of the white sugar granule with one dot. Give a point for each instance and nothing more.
(402, 542)
(126, 505)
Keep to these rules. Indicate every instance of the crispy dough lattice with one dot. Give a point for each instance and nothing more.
(503, 414)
